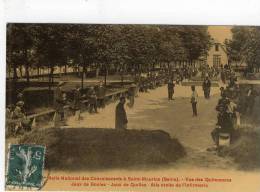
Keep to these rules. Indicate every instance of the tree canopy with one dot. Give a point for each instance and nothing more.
(244, 46)
(121, 47)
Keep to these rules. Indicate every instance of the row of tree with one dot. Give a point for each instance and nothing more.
(244, 47)
(121, 47)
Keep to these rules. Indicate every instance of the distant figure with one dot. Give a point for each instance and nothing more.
(194, 100)
(101, 93)
(18, 114)
(121, 118)
(92, 100)
(250, 99)
(170, 89)
(222, 90)
(131, 95)
(9, 111)
(77, 102)
(59, 103)
(18, 111)
(223, 76)
(20, 97)
(206, 87)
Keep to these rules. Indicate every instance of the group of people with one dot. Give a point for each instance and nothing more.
(194, 96)
(152, 81)
(234, 103)
(210, 72)
(16, 116)
(95, 96)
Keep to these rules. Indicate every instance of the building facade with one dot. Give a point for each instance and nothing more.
(217, 55)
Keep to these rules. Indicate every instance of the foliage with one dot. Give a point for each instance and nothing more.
(244, 46)
(122, 48)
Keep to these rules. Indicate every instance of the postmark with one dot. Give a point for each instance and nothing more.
(25, 165)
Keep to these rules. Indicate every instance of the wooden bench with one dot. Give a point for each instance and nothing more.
(33, 118)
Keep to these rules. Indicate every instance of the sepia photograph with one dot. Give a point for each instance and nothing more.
(131, 107)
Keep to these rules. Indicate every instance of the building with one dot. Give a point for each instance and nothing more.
(217, 55)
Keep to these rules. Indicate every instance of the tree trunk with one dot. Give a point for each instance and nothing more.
(78, 71)
(49, 86)
(122, 78)
(38, 71)
(51, 74)
(21, 71)
(97, 72)
(65, 69)
(106, 76)
(15, 72)
(27, 73)
(82, 78)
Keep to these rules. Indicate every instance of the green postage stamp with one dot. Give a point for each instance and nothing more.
(25, 165)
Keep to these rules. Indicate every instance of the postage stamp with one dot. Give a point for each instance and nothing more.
(25, 165)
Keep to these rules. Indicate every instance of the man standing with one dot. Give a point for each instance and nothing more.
(121, 118)
(206, 87)
(77, 102)
(170, 89)
(131, 95)
(101, 93)
(194, 100)
(58, 104)
(92, 100)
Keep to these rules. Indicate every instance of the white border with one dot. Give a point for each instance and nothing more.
(191, 12)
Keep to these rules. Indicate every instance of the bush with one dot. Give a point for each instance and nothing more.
(82, 148)
(245, 150)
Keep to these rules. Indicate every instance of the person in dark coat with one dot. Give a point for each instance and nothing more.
(121, 118)
(170, 89)
(206, 87)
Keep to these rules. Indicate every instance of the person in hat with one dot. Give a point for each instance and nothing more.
(194, 100)
(120, 116)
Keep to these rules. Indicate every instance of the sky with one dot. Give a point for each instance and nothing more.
(220, 33)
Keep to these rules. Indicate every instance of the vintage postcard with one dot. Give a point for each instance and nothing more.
(140, 108)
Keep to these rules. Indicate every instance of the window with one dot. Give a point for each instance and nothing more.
(216, 60)
(216, 47)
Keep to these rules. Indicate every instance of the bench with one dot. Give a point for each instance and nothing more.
(33, 118)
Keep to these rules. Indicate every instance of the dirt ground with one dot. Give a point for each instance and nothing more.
(153, 111)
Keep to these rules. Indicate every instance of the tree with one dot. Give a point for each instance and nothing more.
(196, 41)
(20, 42)
(244, 46)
